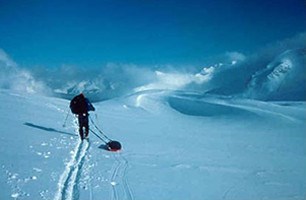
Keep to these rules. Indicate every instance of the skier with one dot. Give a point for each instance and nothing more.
(80, 106)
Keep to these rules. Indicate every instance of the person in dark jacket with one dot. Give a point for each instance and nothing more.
(81, 106)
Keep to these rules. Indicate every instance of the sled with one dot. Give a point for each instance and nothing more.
(113, 146)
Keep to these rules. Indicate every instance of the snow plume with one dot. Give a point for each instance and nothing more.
(235, 57)
(14, 78)
(115, 80)
(177, 81)
(6, 61)
(276, 72)
(109, 81)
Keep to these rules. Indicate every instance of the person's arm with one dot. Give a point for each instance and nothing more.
(90, 107)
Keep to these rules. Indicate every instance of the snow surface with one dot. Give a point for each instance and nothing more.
(176, 145)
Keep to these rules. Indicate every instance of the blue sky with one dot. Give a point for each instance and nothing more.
(143, 32)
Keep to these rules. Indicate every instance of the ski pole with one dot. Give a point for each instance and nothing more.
(64, 125)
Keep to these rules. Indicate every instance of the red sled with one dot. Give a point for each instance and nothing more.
(113, 146)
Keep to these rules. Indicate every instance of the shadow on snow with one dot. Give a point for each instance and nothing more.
(48, 129)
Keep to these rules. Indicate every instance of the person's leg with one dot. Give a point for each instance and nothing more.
(81, 127)
(86, 126)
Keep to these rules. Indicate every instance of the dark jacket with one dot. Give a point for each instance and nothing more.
(89, 106)
(80, 105)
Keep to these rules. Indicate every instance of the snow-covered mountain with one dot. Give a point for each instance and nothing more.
(268, 75)
(71, 89)
(284, 78)
(176, 145)
(278, 78)
(281, 78)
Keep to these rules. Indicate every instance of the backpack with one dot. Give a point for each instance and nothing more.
(78, 105)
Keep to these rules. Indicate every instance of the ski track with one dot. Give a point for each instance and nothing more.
(127, 187)
(118, 176)
(68, 185)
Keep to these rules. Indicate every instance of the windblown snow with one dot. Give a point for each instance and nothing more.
(275, 73)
